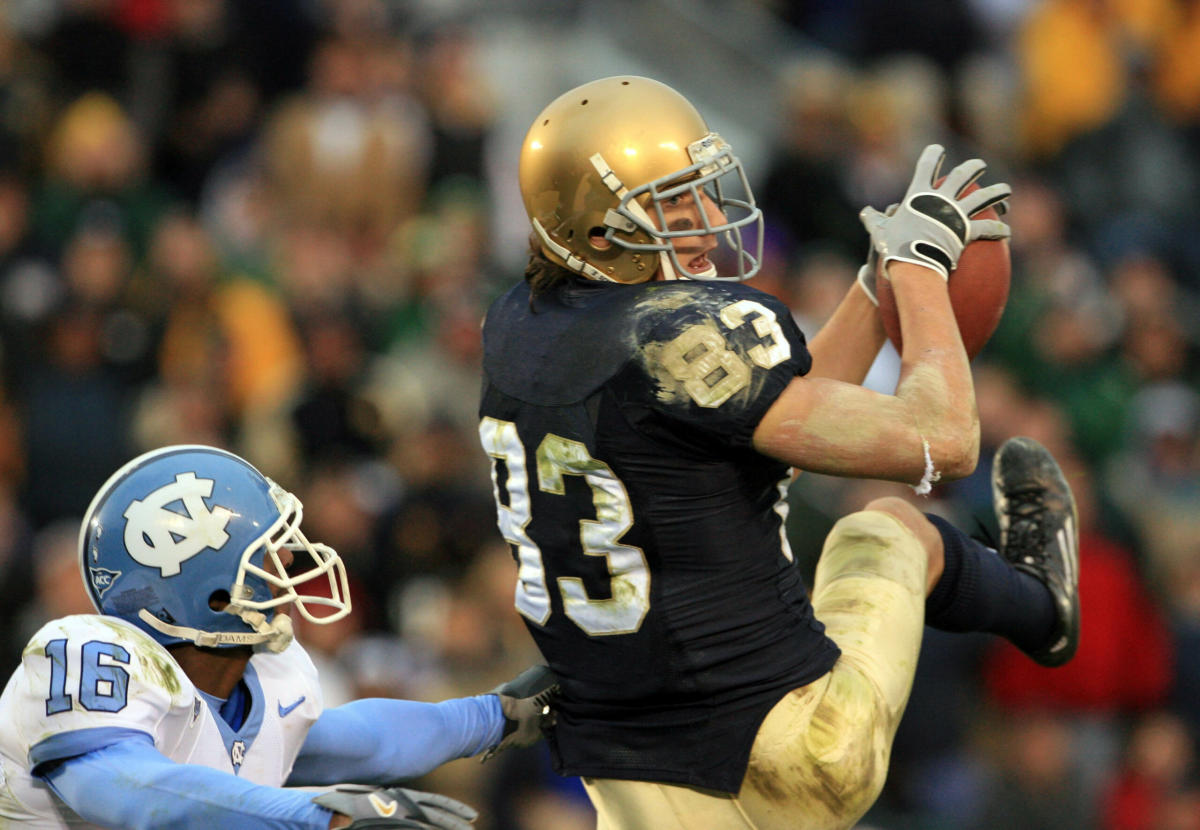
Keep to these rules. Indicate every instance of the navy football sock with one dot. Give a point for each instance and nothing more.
(979, 590)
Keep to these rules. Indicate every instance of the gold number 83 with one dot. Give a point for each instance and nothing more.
(709, 370)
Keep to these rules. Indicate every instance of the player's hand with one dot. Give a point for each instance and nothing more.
(933, 224)
(525, 701)
(360, 808)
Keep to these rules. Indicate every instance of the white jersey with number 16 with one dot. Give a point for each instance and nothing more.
(86, 681)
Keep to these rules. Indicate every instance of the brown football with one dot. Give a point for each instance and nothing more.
(978, 291)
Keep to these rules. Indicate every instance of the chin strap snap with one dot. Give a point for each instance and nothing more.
(620, 191)
(277, 631)
(573, 262)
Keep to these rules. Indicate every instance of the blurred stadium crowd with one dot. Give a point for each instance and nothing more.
(270, 225)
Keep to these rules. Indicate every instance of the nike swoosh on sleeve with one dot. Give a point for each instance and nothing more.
(284, 711)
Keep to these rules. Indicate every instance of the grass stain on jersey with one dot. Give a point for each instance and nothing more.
(692, 366)
(625, 591)
(667, 296)
(611, 507)
(163, 669)
(157, 666)
(701, 363)
(654, 304)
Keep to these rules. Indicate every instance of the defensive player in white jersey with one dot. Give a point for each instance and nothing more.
(186, 703)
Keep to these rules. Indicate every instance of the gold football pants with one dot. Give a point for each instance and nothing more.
(821, 755)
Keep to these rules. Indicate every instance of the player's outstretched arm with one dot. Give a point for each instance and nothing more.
(928, 232)
(130, 784)
(929, 427)
(380, 741)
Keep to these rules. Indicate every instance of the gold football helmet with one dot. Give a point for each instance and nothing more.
(600, 161)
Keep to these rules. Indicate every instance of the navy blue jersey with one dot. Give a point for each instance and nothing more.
(653, 569)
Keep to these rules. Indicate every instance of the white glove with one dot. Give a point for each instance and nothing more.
(932, 225)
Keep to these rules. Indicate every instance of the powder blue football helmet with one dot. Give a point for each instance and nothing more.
(193, 544)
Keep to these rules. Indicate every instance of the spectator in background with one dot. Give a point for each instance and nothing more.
(441, 517)
(26, 104)
(349, 153)
(1176, 71)
(75, 413)
(811, 156)
(1156, 778)
(30, 286)
(455, 92)
(1156, 483)
(1036, 785)
(94, 154)
(229, 358)
(1060, 327)
(1072, 55)
(91, 50)
(206, 103)
(331, 416)
(15, 531)
(58, 591)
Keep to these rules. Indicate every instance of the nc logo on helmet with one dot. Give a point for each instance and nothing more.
(164, 539)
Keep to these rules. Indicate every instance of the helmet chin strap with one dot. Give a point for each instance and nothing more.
(573, 262)
(613, 219)
(667, 267)
(276, 633)
(278, 630)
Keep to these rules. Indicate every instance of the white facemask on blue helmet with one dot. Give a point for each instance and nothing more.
(192, 544)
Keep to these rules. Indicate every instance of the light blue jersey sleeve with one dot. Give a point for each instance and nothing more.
(131, 784)
(382, 741)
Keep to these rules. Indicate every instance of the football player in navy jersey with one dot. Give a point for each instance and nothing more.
(186, 702)
(645, 412)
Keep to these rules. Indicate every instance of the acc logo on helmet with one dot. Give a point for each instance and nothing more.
(103, 579)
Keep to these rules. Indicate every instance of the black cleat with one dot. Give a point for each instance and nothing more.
(525, 701)
(1039, 534)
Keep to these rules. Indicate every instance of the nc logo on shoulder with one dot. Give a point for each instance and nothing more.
(164, 539)
(103, 579)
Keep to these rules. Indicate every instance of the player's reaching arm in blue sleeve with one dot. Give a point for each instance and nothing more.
(131, 784)
(380, 741)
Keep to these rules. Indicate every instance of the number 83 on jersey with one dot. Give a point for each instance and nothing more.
(711, 373)
(558, 457)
